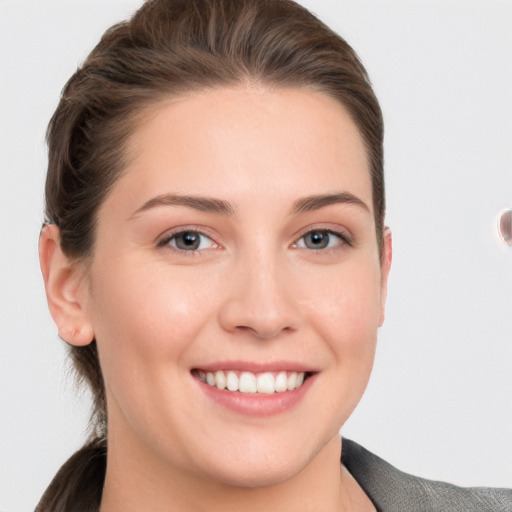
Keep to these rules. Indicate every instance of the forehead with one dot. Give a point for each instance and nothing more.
(256, 140)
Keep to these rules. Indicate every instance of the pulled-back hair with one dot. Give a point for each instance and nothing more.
(169, 47)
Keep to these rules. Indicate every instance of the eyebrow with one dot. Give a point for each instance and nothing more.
(315, 202)
(219, 206)
(203, 204)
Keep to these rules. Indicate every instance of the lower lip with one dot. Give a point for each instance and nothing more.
(256, 404)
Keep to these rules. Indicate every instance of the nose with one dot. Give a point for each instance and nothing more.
(260, 299)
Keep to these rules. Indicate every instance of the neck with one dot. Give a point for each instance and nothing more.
(137, 482)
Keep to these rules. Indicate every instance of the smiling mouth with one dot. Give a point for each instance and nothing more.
(266, 383)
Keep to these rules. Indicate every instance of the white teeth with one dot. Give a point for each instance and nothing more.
(266, 383)
(220, 380)
(232, 381)
(281, 382)
(248, 382)
(290, 382)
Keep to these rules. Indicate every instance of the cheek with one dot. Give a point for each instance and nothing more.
(348, 311)
(143, 318)
(146, 323)
(344, 312)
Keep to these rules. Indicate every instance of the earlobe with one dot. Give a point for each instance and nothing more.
(64, 289)
(387, 256)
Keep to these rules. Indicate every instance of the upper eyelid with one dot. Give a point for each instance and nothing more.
(166, 235)
(336, 230)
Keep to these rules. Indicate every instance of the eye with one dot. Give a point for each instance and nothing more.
(321, 239)
(188, 241)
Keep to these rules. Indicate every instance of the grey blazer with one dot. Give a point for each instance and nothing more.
(392, 490)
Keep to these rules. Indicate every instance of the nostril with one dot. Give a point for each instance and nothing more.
(263, 332)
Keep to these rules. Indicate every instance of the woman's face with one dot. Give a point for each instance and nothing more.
(238, 249)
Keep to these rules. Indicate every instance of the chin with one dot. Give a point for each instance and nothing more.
(253, 464)
(255, 475)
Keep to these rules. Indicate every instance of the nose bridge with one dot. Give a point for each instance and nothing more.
(259, 298)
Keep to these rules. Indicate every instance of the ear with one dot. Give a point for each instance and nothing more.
(385, 266)
(64, 288)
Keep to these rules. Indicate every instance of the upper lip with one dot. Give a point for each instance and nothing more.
(255, 367)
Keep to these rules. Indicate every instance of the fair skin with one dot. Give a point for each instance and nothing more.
(240, 238)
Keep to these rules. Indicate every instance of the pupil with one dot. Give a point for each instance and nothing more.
(317, 239)
(188, 240)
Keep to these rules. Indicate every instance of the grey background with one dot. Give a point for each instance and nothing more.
(439, 402)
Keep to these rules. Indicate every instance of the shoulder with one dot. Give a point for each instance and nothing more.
(394, 491)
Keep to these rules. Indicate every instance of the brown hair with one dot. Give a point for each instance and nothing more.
(168, 47)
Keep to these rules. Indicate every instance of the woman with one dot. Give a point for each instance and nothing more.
(215, 255)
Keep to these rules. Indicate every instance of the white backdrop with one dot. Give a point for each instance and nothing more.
(439, 402)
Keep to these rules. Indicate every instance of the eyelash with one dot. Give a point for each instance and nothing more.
(165, 242)
(343, 240)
